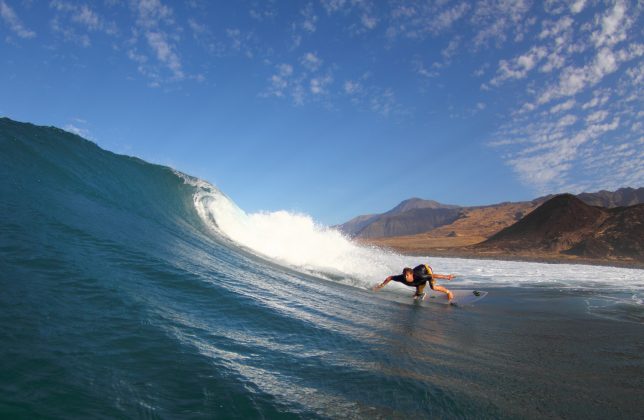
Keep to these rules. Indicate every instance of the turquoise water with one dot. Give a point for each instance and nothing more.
(121, 296)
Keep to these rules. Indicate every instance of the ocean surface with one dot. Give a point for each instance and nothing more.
(130, 290)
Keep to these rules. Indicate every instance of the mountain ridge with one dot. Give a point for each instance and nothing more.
(563, 228)
(388, 224)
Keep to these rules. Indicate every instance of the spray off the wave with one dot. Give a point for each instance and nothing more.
(292, 239)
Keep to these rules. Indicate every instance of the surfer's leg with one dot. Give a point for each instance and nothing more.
(419, 292)
(438, 288)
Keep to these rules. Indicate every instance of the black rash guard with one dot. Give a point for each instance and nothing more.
(421, 276)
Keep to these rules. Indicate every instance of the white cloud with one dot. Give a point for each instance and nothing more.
(573, 80)
(69, 34)
(497, 19)
(234, 35)
(597, 116)
(577, 6)
(165, 52)
(369, 21)
(451, 49)
(87, 17)
(552, 155)
(333, 6)
(13, 21)
(285, 70)
(280, 81)
(519, 67)
(553, 29)
(300, 86)
(422, 70)
(383, 103)
(564, 106)
(156, 26)
(614, 25)
(417, 20)
(549, 166)
(75, 22)
(446, 18)
(310, 18)
(599, 98)
(311, 61)
(351, 87)
(152, 13)
(566, 121)
(318, 85)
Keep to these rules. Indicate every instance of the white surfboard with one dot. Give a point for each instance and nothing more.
(461, 297)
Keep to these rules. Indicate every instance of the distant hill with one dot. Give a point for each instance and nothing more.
(623, 197)
(409, 217)
(409, 222)
(418, 203)
(355, 225)
(566, 224)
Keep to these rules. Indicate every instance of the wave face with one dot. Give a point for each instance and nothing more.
(131, 290)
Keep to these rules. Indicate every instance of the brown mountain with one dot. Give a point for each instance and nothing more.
(565, 224)
(431, 225)
(474, 225)
(409, 217)
(623, 197)
(409, 222)
(560, 228)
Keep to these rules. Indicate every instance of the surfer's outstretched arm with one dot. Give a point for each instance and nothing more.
(381, 285)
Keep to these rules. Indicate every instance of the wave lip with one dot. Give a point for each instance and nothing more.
(291, 239)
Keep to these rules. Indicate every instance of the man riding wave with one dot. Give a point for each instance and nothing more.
(418, 277)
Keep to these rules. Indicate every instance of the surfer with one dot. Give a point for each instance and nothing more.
(418, 278)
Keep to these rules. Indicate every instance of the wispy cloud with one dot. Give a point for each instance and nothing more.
(75, 22)
(311, 61)
(497, 20)
(303, 82)
(279, 81)
(156, 26)
(566, 146)
(564, 106)
(420, 20)
(309, 22)
(519, 67)
(13, 22)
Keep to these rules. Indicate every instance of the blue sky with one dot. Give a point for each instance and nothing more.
(336, 108)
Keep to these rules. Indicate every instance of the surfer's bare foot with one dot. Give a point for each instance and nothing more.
(450, 295)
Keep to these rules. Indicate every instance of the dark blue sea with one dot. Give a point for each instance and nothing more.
(131, 290)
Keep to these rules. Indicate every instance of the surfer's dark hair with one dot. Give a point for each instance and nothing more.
(407, 270)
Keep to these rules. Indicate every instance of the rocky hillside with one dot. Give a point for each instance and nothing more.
(565, 224)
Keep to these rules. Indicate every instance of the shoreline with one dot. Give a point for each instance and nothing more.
(536, 258)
